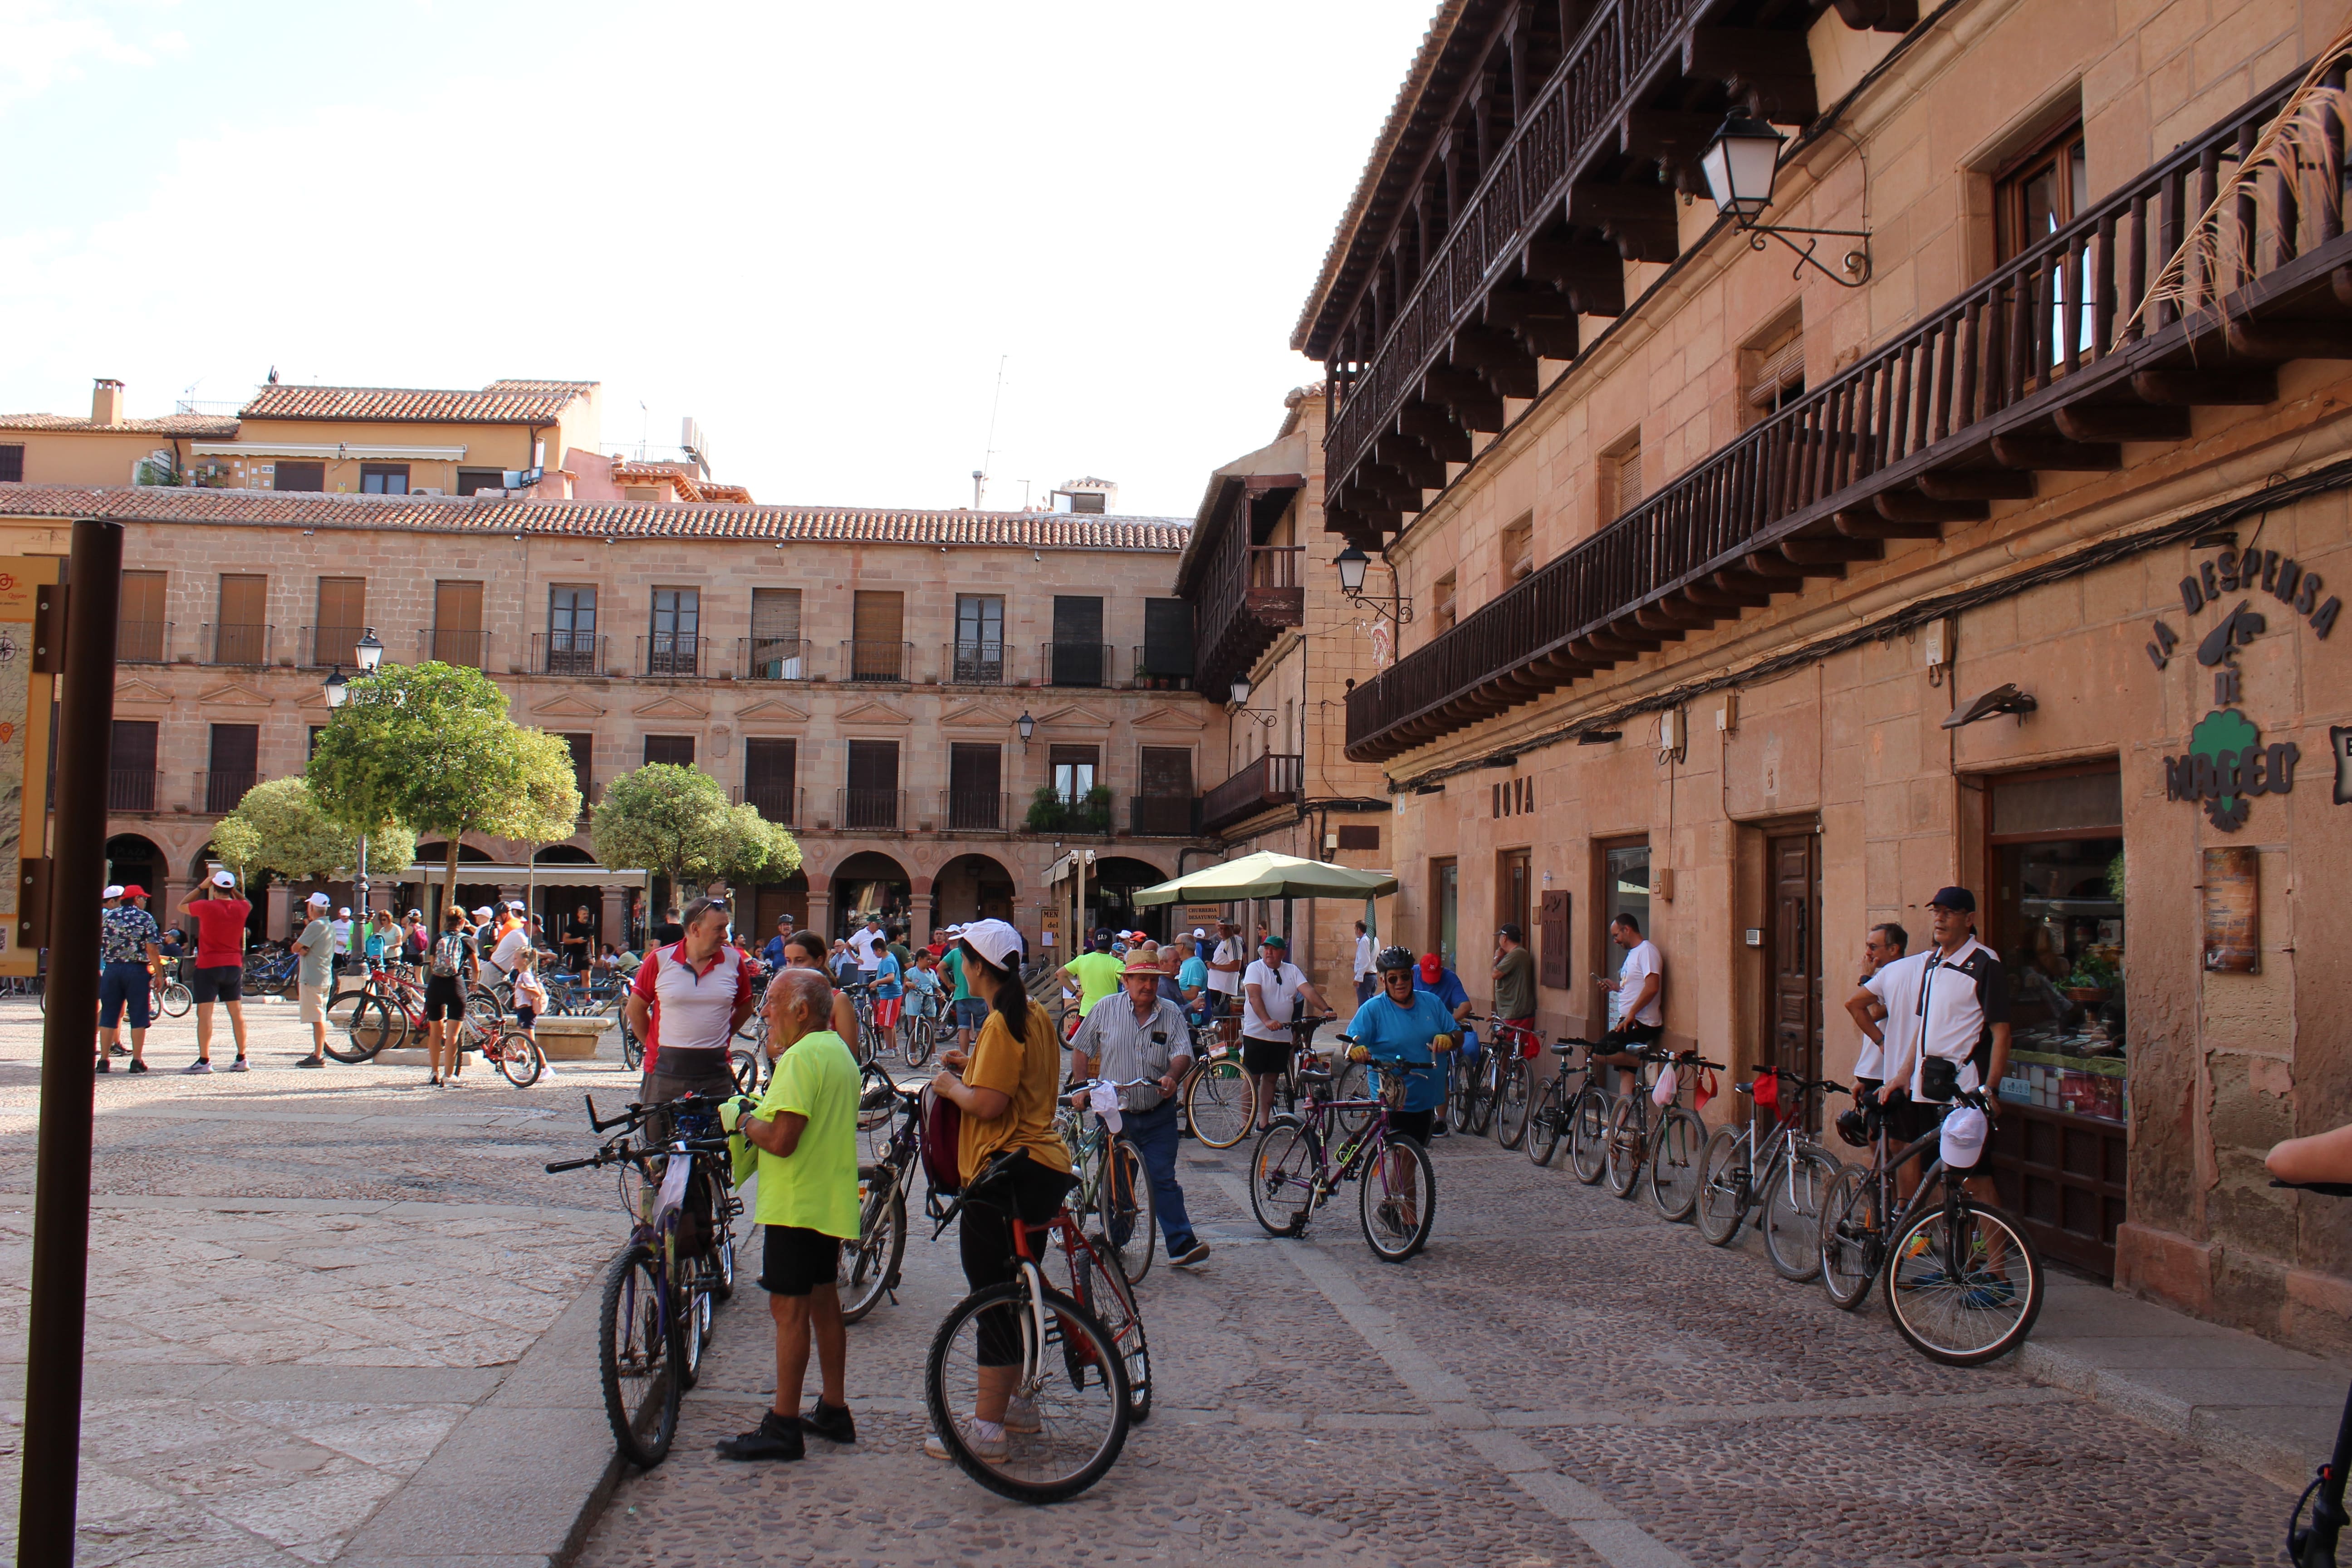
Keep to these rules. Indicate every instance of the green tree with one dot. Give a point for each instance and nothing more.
(299, 842)
(239, 845)
(676, 821)
(430, 746)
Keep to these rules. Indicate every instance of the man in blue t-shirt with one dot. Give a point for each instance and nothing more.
(1432, 978)
(774, 951)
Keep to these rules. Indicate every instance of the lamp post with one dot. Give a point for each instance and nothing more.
(338, 693)
(1740, 164)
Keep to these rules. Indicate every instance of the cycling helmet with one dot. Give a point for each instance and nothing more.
(1854, 1128)
(1393, 958)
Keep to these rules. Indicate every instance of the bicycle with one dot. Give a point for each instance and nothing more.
(1218, 1100)
(1294, 1169)
(1551, 1112)
(1468, 1110)
(519, 1058)
(1946, 1289)
(169, 998)
(655, 1315)
(869, 1265)
(2313, 1545)
(1796, 1174)
(1670, 1150)
(1508, 1091)
(382, 1012)
(1028, 1339)
(918, 1038)
(1112, 1182)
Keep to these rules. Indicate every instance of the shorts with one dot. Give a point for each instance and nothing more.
(1631, 1037)
(444, 998)
(525, 1015)
(1264, 1057)
(124, 984)
(887, 1010)
(658, 1086)
(970, 1013)
(313, 999)
(794, 1261)
(1413, 1124)
(223, 983)
(1908, 1120)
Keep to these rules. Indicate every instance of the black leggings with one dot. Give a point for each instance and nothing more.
(985, 1240)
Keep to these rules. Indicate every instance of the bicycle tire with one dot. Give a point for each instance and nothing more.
(1626, 1146)
(744, 1068)
(1489, 1091)
(1923, 1310)
(1351, 1081)
(878, 1114)
(1546, 1125)
(1588, 1135)
(638, 1342)
(1124, 1203)
(1221, 1103)
(1792, 1212)
(1283, 1165)
(690, 1308)
(722, 1225)
(633, 1050)
(520, 1061)
(483, 1009)
(1725, 1181)
(177, 1000)
(1112, 1301)
(1462, 1096)
(1080, 1434)
(1396, 1233)
(1850, 1226)
(1675, 1151)
(869, 1265)
(922, 1040)
(1516, 1100)
(370, 1020)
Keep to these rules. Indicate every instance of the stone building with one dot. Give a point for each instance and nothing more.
(895, 687)
(1997, 539)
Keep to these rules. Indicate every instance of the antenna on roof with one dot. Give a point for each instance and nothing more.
(980, 475)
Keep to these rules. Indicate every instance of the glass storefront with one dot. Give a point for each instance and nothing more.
(2058, 925)
(1624, 891)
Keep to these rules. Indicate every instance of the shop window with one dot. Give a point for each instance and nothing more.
(2057, 921)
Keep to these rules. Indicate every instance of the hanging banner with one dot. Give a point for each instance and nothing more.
(26, 697)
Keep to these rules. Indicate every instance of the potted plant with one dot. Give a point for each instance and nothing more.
(2093, 980)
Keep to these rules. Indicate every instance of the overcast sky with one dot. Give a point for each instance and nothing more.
(815, 226)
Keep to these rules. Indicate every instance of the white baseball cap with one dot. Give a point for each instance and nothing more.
(515, 904)
(317, 900)
(113, 891)
(223, 880)
(343, 912)
(993, 941)
(1963, 1137)
(483, 913)
(1200, 934)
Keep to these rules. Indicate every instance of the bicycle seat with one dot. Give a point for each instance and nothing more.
(1315, 1075)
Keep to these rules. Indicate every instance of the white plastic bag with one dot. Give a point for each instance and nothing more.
(1661, 1094)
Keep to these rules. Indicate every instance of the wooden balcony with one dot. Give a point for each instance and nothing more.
(1428, 325)
(1273, 780)
(1244, 591)
(2048, 364)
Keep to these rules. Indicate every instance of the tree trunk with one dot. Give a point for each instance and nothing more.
(451, 889)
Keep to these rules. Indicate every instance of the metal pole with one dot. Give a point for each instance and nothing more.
(60, 1285)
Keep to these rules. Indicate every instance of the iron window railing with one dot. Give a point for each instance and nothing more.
(867, 660)
(455, 645)
(1076, 663)
(979, 663)
(975, 810)
(669, 654)
(569, 653)
(238, 642)
(783, 804)
(871, 808)
(131, 789)
(1163, 816)
(775, 658)
(220, 791)
(142, 642)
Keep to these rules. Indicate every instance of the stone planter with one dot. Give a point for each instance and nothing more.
(570, 1039)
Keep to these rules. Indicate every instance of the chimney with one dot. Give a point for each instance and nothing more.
(106, 402)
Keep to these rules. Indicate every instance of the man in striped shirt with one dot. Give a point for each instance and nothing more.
(688, 999)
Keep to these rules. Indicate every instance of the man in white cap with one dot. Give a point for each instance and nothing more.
(220, 916)
(316, 975)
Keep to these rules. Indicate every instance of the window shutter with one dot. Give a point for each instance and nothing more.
(675, 750)
(769, 764)
(776, 614)
(1782, 370)
(1552, 956)
(1167, 637)
(236, 748)
(873, 764)
(311, 476)
(1077, 619)
(1166, 773)
(456, 607)
(1360, 837)
(12, 465)
(1629, 481)
(974, 769)
(134, 746)
(878, 617)
(244, 600)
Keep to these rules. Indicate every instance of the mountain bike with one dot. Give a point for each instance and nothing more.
(1666, 1145)
(655, 1316)
(1467, 1108)
(1112, 1182)
(869, 1265)
(381, 1016)
(1027, 1339)
(2313, 1545)
(920, 1036)
(1552, 1114)
(1509, 1091)
(1295, 1168)
(1219, 1102)
(1950, 1288)
(1797, 1174)
(169, 996)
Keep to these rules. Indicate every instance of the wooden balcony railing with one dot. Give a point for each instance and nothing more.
(1248, 594)
(1270, 781)
(2047, 363)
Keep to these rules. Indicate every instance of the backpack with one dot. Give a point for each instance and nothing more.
(942, 1126)
(448, 954)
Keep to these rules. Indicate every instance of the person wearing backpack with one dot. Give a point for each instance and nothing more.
(447, 964)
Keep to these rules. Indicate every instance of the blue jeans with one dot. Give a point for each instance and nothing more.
(1153, 1133)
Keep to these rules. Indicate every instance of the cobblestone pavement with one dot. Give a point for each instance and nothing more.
(1561, 1378)
(301, 1281)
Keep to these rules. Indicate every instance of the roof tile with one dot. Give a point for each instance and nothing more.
(500, 403)
(195, 424)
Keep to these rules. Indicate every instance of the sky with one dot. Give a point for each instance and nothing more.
(848, 239)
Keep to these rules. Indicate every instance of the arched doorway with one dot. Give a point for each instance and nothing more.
(870, 884)
(1109, 895)
(558, 902)
(971, 887)
(773, 902)
(131, 859)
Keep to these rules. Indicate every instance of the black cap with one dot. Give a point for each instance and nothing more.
(1958, 899)
(1514, 932)
(1102, 937)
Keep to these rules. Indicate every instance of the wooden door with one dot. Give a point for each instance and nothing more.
(1792, 1007)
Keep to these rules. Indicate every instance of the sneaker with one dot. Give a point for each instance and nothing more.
(105, 1066)
(196, 1068)
(776, 1437)
(118, 1049)
(138, 1066)
(311, 1062)
(989, 1449)
(1988, 1292)
(1439, 1129)
(831, 1422)
(1191, 1256)
(240, 1064)
(1021, 1415)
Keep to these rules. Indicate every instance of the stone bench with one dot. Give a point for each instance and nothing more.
(570, 1039)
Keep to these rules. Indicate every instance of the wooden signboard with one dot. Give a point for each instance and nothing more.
(2232, 911)
(26, 583)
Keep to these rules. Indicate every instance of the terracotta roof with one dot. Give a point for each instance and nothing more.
(500, 403)
(196, 424)
(590, 520)
(691, 486)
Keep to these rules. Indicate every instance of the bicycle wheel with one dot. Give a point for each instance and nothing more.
(1351, 1081)
(483, 1010)
(1547, 1124)
(922, 1039)
(744, 1068)
(1111, 1300)
(1125, 1206)
(1396, 1199)
(1724, 1184)
(1675, 1151)
(690, 1307)
(1462, 1095)
(1219, 1103)
(1625, 1145)
(637, 1353)
(877, 1112)
(1490, 1089)
(1076, 1381)
(1792, 1212)
(1516, 1100)
(1282, 1172)
(633, 1050)
(1588, 1134)
(869, 1265)
(520, 1060)
(1954, 1292)
(1850, 1226)
(177, 999)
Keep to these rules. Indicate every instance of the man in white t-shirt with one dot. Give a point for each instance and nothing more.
(1226, 962)
(1641, 988)
(508, 954)
(867, 944)
(1366, 981)
(1271, 988)
(1886, 1008)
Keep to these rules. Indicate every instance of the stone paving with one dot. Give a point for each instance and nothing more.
(1561, 1378)
(301, 1282)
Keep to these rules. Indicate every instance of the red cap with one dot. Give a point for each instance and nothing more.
(1429, 968)
(134, 891)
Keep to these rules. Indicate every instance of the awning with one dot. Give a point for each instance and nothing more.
(1267, 875)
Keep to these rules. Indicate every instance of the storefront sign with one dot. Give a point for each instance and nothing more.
(2232, 911)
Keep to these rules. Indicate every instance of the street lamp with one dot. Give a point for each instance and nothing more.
(1352, 563)
(1027, 725)
(1740, 164)
(370, 652)
(1239, 707)
(338, 689)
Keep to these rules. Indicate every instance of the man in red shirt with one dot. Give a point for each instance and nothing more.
(220, 916)
(688, 1000)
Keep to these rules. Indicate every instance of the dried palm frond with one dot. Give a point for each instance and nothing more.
(2295, 166)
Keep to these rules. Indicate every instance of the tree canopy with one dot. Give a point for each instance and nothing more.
(676, 821)
(237, 844)
(299, 842)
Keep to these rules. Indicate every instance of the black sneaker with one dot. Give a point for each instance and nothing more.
(105, 1066)
(830, 1422)
(777, 1437)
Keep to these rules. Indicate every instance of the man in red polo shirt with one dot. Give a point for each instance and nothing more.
(688, 1000)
